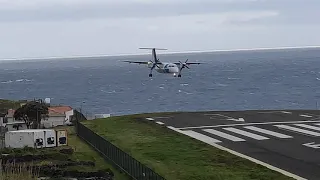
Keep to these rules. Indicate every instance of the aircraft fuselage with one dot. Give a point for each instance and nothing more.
(167, 68)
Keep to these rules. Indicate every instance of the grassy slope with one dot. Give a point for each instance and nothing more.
(176, 156)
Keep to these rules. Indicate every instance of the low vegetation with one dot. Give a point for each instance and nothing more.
(75, 160)
(78, 158)
(176, 156)
(7, 104)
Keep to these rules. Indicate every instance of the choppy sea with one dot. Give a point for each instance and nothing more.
(239, 80)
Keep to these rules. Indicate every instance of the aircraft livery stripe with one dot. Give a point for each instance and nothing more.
(223, 135)
(265, 131)
(245, 133)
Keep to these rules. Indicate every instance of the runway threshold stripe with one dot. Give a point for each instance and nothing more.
(223, 135)
(201, 137)
(245, 133)
(308, 126)
(298, 130)
(265, 131)
(196, 135)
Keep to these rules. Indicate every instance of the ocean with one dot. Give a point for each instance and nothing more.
(239, 80)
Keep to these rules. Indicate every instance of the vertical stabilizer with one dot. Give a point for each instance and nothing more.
(154, 54)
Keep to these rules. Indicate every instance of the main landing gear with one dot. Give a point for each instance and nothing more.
(179, 75)
(150, 75)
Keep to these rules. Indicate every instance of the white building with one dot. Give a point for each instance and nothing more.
(2, 116)
(68, 117)
(58, 116)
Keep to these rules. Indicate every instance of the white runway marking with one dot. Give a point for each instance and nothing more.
(223, 135)
(196, 135)
(286, 112)
(298, 130)
(225, 117)
(265, 131)
(246, 124)
(245, 156)
(271, 112)
(308, 126)
(245, 133)
(303, 115)
(159, 122)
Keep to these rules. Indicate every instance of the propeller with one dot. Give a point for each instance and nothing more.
(183, 65)
(154, 64)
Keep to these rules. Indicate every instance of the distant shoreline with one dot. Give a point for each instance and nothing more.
(162, 53)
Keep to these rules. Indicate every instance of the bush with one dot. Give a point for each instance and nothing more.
(66, 151)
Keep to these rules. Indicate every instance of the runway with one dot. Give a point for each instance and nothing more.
(286, 140)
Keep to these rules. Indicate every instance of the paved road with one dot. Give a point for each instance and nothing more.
(289, 140)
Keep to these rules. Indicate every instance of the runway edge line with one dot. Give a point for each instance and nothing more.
(247, 157)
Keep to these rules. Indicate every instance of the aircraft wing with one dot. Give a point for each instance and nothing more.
(188, 63)
(138, 62)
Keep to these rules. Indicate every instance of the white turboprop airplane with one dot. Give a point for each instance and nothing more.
(164, 67)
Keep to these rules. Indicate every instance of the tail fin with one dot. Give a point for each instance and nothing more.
(154, 54)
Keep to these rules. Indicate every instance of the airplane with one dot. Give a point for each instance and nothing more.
(164, 67)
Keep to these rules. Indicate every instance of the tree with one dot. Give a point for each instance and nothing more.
(32, 113)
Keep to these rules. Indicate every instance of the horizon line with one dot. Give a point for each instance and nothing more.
(173, 52)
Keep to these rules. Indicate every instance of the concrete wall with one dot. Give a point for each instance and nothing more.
(13, 127)
(53, 121)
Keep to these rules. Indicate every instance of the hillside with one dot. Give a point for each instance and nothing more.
(8, 104)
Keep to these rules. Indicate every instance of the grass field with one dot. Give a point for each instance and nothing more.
(176, 156)
(83, 152)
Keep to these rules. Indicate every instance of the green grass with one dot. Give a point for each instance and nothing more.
(84, 152)
(176, 156)
(8, 104)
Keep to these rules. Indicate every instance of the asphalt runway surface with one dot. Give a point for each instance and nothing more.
(286, 139)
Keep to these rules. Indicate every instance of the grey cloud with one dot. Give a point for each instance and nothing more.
(291, 11)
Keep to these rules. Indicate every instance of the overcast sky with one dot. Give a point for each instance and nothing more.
(51, 28)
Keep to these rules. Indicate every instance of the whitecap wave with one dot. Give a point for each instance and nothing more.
(6, 82)
(233, 78)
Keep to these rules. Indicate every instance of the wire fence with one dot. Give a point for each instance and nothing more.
(116, 156)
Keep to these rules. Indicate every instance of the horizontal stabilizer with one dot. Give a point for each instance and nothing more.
(153, 48)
